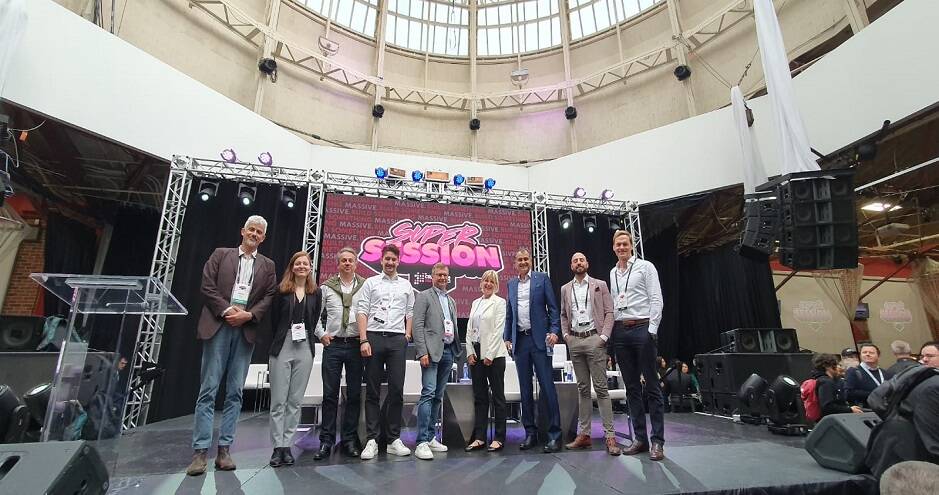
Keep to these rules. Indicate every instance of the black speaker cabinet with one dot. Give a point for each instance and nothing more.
(725, 373)
(760, 340)
(839, 441)
(20, 333)
(762, 227)
(53, 468)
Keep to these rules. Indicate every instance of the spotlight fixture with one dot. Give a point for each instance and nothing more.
(474, 124)
(458, 180)
(381, 173)
(228, 155)
(606, 195)
(566, 220)
(616, 223)
(268, 66)
(207, 189)
(579, 192)
(378, 111)
(328, 47)
(288, 197)
(489, 184)
(682, 72)
(246, 194)
(519, 77)
(783, 404)
(570, 113)
(417, 176)
(590, 223)
(266, 159)
(751, 400)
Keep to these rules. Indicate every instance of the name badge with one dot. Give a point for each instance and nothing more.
(621, 301)
(475, 334)
(298, 332)
(239, 295)
(448, 330)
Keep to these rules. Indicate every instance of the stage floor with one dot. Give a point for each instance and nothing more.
(703, 454)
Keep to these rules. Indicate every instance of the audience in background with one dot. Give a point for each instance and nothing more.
(929, 354)
(862, 379)
(901, 350)
(849, 358)
(829, 385)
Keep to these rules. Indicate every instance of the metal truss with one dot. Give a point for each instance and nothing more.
(254, 32)
(312, 226)
(217, 169)
(635, 230)
(539, 235)
(150, 330)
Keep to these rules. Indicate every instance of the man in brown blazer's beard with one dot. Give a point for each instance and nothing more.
(238, 285)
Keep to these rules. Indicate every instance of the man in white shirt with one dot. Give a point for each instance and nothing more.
(339, 334)
(637, 311)
(383, 313)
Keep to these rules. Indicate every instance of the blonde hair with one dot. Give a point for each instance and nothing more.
(492, 276)
(621, 232)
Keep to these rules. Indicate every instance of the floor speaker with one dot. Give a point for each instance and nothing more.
(725, 372)
(52, 467)
(761, 340)
(20, 333)
(839, 441)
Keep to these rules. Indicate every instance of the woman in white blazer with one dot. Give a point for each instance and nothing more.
(486, 353)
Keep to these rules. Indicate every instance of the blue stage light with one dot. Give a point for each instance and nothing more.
(489, 184)
(417, 176)
(458, 180)
(381, 173)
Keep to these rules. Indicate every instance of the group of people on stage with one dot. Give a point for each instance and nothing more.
(365, 326)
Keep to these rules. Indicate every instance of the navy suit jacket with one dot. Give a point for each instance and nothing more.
(543, 310)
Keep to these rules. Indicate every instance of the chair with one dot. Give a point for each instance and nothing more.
(313, 395)
(318, 351)
(412, 382)
(258, 379)
(559, 358)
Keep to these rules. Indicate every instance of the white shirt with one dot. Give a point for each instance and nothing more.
(245, 273)
(524, 303)
(388, 299)
(643, 292)
(332, 307)
(580, 301)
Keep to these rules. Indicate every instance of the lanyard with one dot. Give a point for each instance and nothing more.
(241, 260)
(574, 296)
(879, 371)
(628, 274)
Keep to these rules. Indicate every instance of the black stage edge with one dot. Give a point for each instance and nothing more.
(704, 454)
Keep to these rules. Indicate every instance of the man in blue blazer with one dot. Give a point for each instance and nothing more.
(532, 324)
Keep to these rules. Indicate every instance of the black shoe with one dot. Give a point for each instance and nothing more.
(323, 452)
(530, 441)
(350, 449)
(490, 448)
(552, 446)
(286, 456)
(275, 458)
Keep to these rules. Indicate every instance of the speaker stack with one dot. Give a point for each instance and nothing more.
(761, 230)
(53, 468)
(20, 333)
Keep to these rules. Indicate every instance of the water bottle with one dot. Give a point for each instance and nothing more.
(548, 347)
(466, 377)
(568, 372)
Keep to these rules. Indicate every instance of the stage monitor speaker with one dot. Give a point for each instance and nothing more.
(762, 228)
(839, 441)
(20, 333)
(53, 468)
(761, 340)
(726, 373)
(818, 220)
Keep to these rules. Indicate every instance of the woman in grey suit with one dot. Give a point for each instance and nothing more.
(486, 353)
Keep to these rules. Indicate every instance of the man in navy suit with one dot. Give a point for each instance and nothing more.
(532, 325)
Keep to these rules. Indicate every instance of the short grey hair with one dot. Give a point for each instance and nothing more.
(256, 220)
(909, 477)
(900, 347)
(523, 249)
(346, 249)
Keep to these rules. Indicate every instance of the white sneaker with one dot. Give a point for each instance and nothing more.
(370, 450)
(436, 446)
(398, 448)
(422, 451)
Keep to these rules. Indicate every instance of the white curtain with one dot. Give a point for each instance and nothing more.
(12, 26)
(925, 281)
(753, 172)
(12, 230)
(796, 153)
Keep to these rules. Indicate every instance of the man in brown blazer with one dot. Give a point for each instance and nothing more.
(238, 285)
(586, 322)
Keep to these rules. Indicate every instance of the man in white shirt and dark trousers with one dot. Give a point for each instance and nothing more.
(383, 314)
(637, 311)
(339, 334)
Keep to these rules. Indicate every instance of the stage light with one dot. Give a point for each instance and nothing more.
(267, 66)
(14, 417)
(378, 111)
(288, 197)
(606, 195)
(266, 159)
(37, 401)
(590, 223)
(579, 192)
(247, 194)
(570, 113)
(458, 180)
(207, 189)
(228, 155)
(784, 406)
(750, 397)
(489, 184)
(474, 124)
(615, 223)
(682, 72)
(417, 176)
(381, 173)
(879, 207)
(566, 220)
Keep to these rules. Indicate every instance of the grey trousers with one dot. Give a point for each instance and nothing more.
(290, 372)
(588, 356)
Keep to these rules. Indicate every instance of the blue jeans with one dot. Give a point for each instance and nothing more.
(227, 350)
(434, 381)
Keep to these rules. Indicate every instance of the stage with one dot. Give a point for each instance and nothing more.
(703, 454)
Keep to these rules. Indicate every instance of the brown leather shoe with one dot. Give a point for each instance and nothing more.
(223, 460)
(636, 448)
(657, 453)
(612, 448)
(580, 442)
(197, 466)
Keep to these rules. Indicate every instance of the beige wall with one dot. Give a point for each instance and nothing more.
(895, 313)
